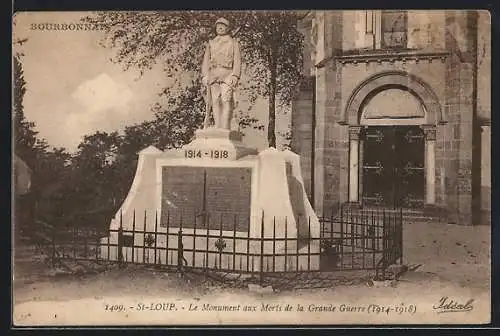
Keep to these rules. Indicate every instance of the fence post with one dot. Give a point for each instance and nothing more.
(97, 247)
(156, 236)
(274, 244)
(297, 238)
(193, 263)
(75, 240)
(286, 245)
(120, 242)
(85, 243)
(309, 244)
(235, 220)
(221, 240)
(261, 276)
(167, 241)
(206, 223)
(401, 235)
(144, 240)
(180, 246)
(53, 245)
(384, 243)
(133, 238)
(342, 222)
(180, 251)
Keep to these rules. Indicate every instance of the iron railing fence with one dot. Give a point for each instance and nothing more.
(352, 239)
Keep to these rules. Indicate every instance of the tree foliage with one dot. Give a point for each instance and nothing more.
(25, 136)
(48, 165)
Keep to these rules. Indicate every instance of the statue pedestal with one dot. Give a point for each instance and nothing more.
(217, 133)
(216, 143)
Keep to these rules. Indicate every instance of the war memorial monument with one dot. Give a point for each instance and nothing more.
(217, 186)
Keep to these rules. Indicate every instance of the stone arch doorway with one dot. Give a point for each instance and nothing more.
(392, 121)
(378, 82)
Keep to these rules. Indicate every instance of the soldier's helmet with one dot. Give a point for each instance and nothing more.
(223, 21)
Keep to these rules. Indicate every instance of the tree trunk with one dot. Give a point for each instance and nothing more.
(271, 129)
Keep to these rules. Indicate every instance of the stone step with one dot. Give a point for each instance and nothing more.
(423, 215)
(427, 211)
(24, 253)
(422, 221)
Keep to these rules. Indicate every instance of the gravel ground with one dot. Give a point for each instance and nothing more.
(454, 263)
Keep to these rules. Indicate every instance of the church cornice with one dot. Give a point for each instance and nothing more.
(379, 56)
(484, 121)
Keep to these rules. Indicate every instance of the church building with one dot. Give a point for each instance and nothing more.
(394, 111)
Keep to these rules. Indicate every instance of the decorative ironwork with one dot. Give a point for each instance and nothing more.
(220, 244)
(378, 168)
(378, 136)
(325, 244)
(410, 169)
(411, 136)
(376, 199)
(149, 240)
(379, 198)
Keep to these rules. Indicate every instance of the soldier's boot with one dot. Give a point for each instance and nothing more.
(217, 111)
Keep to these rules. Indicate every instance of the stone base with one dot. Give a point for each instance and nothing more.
(218, 133)
(279, 208)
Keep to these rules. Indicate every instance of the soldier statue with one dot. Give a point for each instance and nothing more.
(221, 71)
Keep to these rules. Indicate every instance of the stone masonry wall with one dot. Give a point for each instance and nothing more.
(330, 166)
(457, 135)
(484, 111)
(302, 128)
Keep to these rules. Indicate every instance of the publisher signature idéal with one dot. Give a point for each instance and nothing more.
(447, 305)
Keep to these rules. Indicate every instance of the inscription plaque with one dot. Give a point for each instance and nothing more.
(206, 197)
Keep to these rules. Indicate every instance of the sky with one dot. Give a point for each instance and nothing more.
(74, 89)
